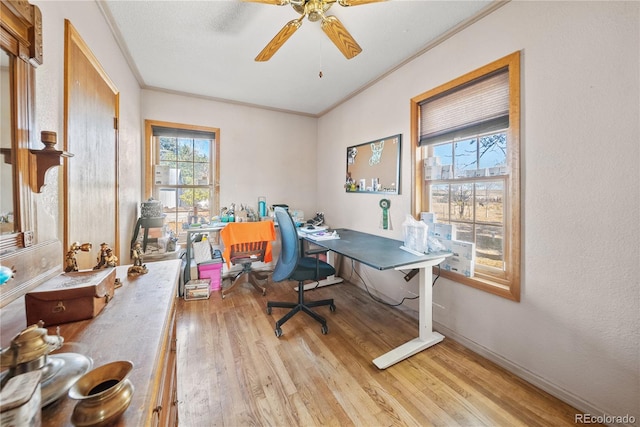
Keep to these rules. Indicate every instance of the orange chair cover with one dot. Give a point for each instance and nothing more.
(245, 232)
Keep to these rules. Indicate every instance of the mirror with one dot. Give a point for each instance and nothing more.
(32, 258)
(7, 199)
(21, 52)
(374, 167)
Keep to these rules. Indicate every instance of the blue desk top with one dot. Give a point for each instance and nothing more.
(378, 252)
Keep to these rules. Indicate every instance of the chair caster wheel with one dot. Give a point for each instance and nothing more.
(332, 308)
(325, 329)
(278, 332)
(268, 310)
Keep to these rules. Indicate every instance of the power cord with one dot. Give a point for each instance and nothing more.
(436, 278)
(373, 297)
(376, 299)
(313, 288)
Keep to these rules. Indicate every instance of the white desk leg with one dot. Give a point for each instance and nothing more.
(331, 280)
(427, 337)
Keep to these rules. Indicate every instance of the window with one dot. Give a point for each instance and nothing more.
(466, 168)
(183, 164)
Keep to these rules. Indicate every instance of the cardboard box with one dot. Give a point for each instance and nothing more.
(161, 174)
(197, 289)
(460, 249)
(432, 172)
(476, 173)
(459, 265)
(447, 172)
(432, 161)
(462, 260)
(498, 170)
(443, 231)
(428, 217)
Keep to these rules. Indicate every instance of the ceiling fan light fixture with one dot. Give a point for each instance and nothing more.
(314, 16)
(314, 9)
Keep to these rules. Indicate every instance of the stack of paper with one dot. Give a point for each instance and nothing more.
(313, 229)
(323, 235)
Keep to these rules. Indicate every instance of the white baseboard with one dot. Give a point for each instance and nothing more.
(543, 384)
(564, 395)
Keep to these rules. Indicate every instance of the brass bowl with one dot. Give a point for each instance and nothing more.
(103, 395)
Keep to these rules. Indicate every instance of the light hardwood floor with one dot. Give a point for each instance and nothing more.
(233, 371)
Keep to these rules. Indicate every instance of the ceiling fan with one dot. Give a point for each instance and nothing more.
(315, 11)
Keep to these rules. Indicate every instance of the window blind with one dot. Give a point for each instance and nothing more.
(477, 107)
(182, 133)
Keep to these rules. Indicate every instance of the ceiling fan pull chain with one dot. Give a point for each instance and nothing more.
(320, 73)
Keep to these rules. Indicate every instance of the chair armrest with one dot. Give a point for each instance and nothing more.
(316, 251)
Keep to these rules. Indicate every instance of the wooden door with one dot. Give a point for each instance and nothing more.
(91, 176)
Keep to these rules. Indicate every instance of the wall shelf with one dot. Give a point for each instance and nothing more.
(42, 160)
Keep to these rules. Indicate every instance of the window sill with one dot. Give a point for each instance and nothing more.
(504, 289)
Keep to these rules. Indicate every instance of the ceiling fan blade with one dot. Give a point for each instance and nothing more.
(340, 37)
(282, 36)
(276, 2)
(357, 2)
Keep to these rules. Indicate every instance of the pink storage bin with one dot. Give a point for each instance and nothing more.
(212, 271)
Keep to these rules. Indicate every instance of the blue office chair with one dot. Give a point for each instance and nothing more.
(292, 265)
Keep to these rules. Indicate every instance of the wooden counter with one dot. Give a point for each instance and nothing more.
(138, 325)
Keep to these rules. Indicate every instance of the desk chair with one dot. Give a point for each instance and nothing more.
(292, 265)
(244, 244)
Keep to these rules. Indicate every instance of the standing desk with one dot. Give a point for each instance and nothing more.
(383, 253)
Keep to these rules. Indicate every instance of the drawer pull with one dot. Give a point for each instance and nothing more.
(59, 308)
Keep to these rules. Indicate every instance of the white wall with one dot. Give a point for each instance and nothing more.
(262, 152)
(86, 17)
(576, 329)
(575, 332)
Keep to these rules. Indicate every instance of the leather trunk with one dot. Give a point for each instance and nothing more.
(71, 297)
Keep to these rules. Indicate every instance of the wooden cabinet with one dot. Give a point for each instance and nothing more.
(166, 409)
(138, 325)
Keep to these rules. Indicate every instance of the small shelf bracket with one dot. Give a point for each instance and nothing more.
(41, 161)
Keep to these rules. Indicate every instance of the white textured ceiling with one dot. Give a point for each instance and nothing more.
(207, 48)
